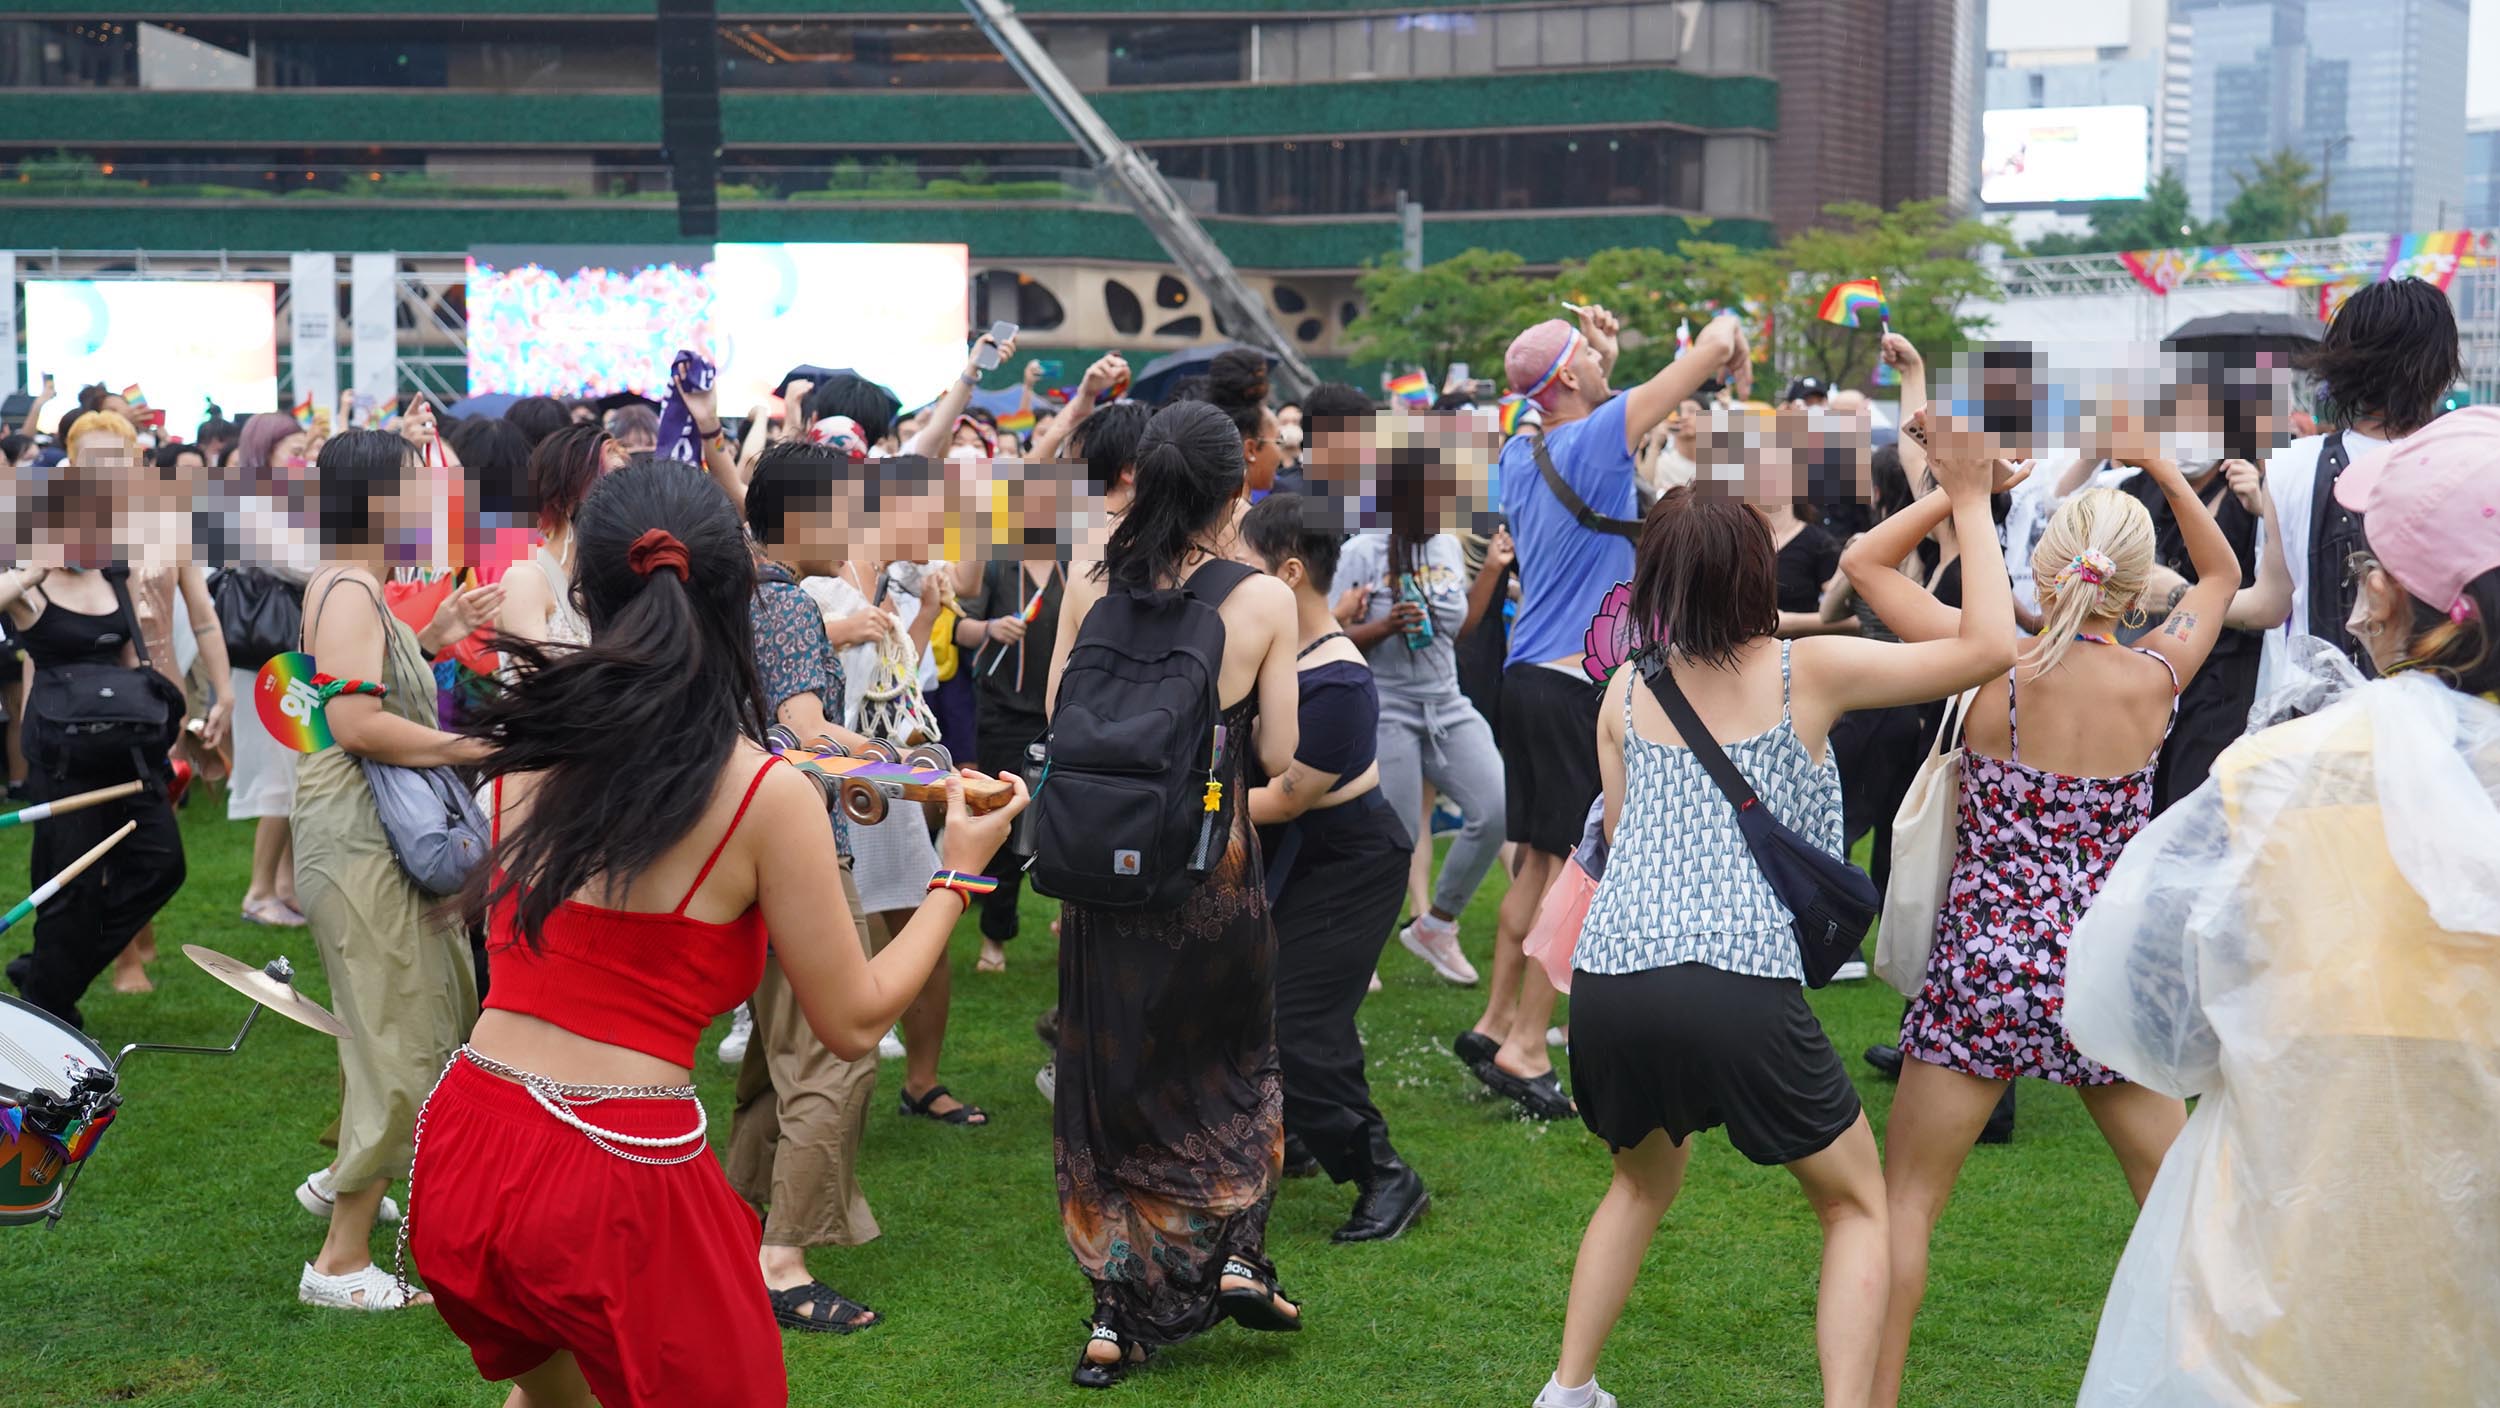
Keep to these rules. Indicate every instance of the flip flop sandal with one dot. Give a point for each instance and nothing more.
(969, 1116)
(1474, 1048)
(828, 1310)
(1540, 1098)
(1256, 1309)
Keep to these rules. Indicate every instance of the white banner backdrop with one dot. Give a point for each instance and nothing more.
(314, 334)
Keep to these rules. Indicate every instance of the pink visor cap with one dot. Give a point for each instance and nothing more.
(2430, 506)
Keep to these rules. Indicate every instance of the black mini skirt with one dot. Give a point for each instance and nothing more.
(1690, 1047)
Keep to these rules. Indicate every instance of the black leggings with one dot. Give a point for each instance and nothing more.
(1332, 919)
(81, 930)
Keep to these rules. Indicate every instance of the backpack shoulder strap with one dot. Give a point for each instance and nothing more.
(1571, 501)
(1215, 581)
(119, 576)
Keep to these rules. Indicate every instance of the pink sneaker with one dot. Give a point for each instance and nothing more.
(1435, 941)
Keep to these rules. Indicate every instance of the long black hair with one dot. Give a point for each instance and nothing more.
(2391, 353)
(627, 735)
(1406, 501)
(1189, 471)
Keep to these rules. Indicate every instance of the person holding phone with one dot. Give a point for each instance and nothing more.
(937, 425)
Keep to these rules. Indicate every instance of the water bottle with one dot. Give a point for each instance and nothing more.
(1020, 840)
(1409, 590)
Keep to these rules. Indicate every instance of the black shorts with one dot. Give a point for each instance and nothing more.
(1690, 1047)
(1549, 755)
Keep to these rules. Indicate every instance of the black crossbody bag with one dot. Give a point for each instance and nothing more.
(1833, 900)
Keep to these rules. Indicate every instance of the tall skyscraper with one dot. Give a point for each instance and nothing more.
(1874, 104)
(2482, 178)
(2371, 93)
(2390, 75)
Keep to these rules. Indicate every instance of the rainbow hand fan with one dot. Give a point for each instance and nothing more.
(1848, 300)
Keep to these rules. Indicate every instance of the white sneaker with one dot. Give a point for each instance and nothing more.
(890, 1046)
(380, 1289)
(1558, 1036)
(1552, 1396)
(1046, 1080)
(1436, 943)
(318, 1196)
(1850, 972)
(733, 1047)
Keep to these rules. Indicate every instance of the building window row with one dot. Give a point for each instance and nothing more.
(1711, 36)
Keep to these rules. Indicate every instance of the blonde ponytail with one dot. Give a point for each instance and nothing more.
(2092, 563)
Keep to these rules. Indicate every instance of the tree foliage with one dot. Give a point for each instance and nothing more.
(1468, 308)
(2277, 200)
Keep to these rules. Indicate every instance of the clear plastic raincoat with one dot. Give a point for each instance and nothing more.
(2311, 942)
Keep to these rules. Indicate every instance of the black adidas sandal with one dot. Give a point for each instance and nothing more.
(1092, 1373)
(1256, 1309)
(971, 1116)
(828, 1310)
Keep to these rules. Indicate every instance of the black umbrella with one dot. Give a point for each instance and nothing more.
(1155, 380)
(619, 400)
(2246, 332)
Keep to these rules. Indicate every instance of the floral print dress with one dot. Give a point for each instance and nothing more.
(2035, 848)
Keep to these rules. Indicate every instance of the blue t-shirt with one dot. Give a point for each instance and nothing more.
(1564, 569)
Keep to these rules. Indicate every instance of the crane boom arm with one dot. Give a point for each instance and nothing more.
(1156, 203)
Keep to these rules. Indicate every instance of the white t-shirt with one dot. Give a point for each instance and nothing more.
(837, 597)
(2292, 478)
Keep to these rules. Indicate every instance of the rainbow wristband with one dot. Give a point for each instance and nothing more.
(965, 885)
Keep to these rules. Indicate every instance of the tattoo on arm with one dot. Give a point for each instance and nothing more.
(2181, 625)
(2177, 595)
(1285, 784)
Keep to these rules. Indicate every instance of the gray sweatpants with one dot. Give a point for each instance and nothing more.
(1451, 746)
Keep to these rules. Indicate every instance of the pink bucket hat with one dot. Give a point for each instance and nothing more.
(1537, 356)
(2430, 506)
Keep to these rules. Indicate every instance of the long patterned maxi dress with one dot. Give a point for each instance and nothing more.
(1169, 1117)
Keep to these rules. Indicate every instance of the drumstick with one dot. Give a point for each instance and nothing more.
(53, 886)
(45, 811)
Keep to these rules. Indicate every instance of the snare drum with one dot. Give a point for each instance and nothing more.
(57, 1095)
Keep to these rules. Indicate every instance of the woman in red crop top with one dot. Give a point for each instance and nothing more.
(566, 1213)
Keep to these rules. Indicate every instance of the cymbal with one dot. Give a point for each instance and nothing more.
(269, 990)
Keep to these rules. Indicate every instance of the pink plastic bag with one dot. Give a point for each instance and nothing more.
(1555, 936)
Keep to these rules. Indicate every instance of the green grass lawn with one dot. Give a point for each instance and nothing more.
(172, 1280)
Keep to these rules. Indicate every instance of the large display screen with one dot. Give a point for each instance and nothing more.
(182, 344)
(2039, 156)
(585, 321)
(580, 321)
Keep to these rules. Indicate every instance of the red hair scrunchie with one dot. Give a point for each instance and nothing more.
(656, 549)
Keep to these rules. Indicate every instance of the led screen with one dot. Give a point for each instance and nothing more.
(2036, 156)
(183, 344)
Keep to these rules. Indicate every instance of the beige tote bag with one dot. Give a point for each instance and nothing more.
(1924, 840)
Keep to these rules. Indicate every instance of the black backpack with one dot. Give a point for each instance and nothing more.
(1121, 818)
(100, 722)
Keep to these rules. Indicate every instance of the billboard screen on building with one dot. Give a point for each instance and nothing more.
(2037, 156)
(589, 320)
(183, 344)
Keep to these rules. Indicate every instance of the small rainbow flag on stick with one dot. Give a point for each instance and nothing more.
(1411, 388)
(1847, 301)
(304, 411)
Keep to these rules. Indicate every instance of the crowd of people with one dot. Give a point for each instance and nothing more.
(1237, 665)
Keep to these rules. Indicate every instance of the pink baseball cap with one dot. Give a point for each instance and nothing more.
(2430, 506)
(1537, 356)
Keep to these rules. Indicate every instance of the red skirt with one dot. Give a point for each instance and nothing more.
(535, 1240)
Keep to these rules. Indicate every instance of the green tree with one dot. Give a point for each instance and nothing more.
(2161, 220)
(2278, 200)
(1924, 259)
(1463, 309)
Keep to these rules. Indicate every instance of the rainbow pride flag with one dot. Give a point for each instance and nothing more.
(1411, 388)
(1017, 421)
(2434, 256)
(1848, 300)
(1515, 411)
(304, 411)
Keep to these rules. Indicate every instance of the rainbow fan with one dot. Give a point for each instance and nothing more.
(1847, 301)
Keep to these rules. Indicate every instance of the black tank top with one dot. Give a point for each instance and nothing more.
(61, 636)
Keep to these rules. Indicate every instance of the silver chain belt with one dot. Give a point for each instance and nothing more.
(558, 1099)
